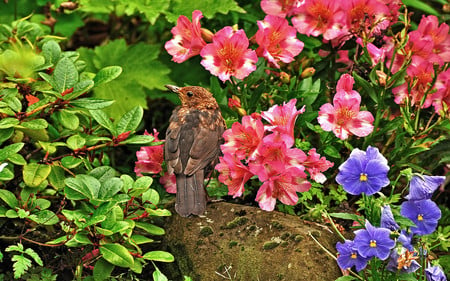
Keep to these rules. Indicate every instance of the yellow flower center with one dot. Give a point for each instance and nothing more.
(420, 217)
(373, 244)
(363, 177)
(354, 256)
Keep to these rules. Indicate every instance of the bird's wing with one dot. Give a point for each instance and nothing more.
(171, 146)
(205, 147)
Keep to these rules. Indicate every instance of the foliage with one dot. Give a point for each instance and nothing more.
(57, 144)
(70, 122)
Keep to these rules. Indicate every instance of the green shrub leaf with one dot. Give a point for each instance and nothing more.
(34, 174)
(159, 256)
(117, 254)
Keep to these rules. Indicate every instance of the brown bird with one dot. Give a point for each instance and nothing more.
(192, 146)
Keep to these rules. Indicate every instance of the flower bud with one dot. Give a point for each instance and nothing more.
(285, 77)
(446, 8)
(381, 77)
(207, 35)
(308, 72)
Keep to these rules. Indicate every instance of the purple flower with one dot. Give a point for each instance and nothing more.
(403, 261)
(424, 213)
(406, 240)
(435, 273)
(349, 256)
(387, 219)
(364, 171)
(373, 242)
(422, 187)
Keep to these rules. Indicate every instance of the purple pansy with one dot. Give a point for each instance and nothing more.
(406, 240)
(424, 213)
(349, 256)
(435, 273)
(387, 219)
(373, 242)
(422, 187)
(364, 171)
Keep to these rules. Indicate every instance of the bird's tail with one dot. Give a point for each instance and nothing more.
(191, 194)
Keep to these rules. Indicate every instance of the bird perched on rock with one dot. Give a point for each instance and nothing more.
(192, 146)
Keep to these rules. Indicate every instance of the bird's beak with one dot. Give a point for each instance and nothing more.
(173, 88)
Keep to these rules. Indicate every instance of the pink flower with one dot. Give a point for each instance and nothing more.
(441, 99)
(420, 75)
(150, 158)
(429, 27)
(169, 181)
(281, 8)
(317, 17)
(228, 55)
(233, 174)
(363, 16)
(345, 85)
(277, 40)
(244, 139)
(187, 39)
(315, 165)
(343, 117)
(282, 120)
(284, 187)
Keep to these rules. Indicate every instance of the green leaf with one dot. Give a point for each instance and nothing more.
(151, 10)
(332, 151)
(103, 173)
(8, 122)
(159, 256)
(9, 150)
(158, 276)
(130, 120)
(51, 51)
(141, 185)
(57, 177)
(36, 124)
(347, 216)
(79, 89)
(78, 240)
(103, 120)
(110, 188)
(65, 74)
(208, 7)
(42, 203)
(107, 74)
(421, 5)
(71, 162)
(102, 270)
(76, 142)
(141, 239)
(82, 187)
(6, 134)
(45, 217)
(117, 255)
(139, 72)
(91, 103)
(9, 198)
(34, 255)
(139, 139)
(150, 228)
(20, 266)
(151, 196)
(346, 278)
(17, 159)
(34, 174)
(68, 119)
(6, 174)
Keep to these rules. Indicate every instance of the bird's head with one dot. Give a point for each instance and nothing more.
(194, 97)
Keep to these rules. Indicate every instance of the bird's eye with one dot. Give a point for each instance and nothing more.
(190, 94)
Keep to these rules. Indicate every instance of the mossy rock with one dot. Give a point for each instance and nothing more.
(247, 244)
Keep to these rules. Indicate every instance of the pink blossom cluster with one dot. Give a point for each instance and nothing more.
(336, 20)
(150, 160)
(266, 151)
(344, 117)
(427, 47)
(228, 54)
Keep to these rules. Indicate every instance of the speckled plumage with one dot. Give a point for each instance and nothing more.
(192, 146)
